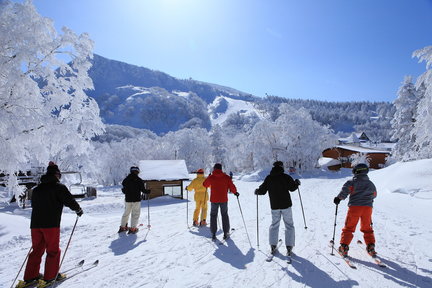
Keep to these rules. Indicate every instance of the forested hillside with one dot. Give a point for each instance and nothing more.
(142, 98)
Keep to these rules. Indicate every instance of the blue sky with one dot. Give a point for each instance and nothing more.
(333, 50)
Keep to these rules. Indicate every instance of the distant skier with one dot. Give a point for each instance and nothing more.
(279, 184)
(362, 193)
(48, 199)
(219, 184)
(200, 197)
(133, 187)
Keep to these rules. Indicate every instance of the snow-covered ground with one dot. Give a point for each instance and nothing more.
(173, 255)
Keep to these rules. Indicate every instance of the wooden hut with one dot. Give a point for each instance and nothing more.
(343, 154)
(164, 177)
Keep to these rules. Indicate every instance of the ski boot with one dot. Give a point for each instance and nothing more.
(195, 223)
(133, 230)
(273, 249)
(29, 282)
(123, 229)
(370, 248)
(343, 250)
(47, 283)
(289, 250)
(203, 223)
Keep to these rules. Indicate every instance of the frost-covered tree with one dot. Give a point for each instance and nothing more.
(404, 119)
(359, 158)
(263, 144)
(191, 145)
(303, 138)
(45, 113)
(294, 138)
(423, 125)
(218, 144)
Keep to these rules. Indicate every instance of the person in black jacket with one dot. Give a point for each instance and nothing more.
(279, 184)
(133, 186)
(48, 199)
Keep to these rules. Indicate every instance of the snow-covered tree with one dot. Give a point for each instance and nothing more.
(423, 125)
(294, 138)
(45, 113)
(404, 119)
(359, 158)
(218, 144)
(303, 138)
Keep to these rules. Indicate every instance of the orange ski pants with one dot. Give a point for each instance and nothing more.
(356, 213)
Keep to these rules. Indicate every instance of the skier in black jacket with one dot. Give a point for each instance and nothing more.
(133, 186)
(279, 184)
(48, 199)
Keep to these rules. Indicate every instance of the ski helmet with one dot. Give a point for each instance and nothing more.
(360, 169)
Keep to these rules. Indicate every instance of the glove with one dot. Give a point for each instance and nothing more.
(336, 200)
(256, 191)
(297, 181)
(79, 212)
(237, 194)
(147, 191)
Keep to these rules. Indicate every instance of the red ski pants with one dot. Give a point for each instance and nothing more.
(356, 213)
(44, 239)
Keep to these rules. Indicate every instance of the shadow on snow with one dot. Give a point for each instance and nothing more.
(124, 244)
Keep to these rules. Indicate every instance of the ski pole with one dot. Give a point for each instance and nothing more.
(301, 203)
(257, 222)
(187, 207)
(25, 260)
(244, 223)
(334, 230)
(148, 211)
(64, 253)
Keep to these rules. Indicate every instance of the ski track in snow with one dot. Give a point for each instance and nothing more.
(175, 255)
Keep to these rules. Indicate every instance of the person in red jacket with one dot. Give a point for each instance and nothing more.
(219, 184)
(48, 199)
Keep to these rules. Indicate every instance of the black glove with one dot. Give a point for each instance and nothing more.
(336, 200)
(297, 181)
(256, 191)
(237, 194)
(79, 212)
(147, 191)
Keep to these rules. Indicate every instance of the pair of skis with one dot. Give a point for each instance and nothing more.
(375, 258)
(74, 272)
(272, 253)
(347, 259)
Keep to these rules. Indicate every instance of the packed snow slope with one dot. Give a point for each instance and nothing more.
(172, 254)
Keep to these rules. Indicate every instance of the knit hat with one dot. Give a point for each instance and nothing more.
(52, 168)
(200, 171)
(134, 168)
(217, 166)
(278, 164)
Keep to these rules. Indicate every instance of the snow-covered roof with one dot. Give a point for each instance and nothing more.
(355, 137)
(361, 149)
(326, 161)
(163, 170)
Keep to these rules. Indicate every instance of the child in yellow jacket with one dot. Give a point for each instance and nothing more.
(201, 198)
